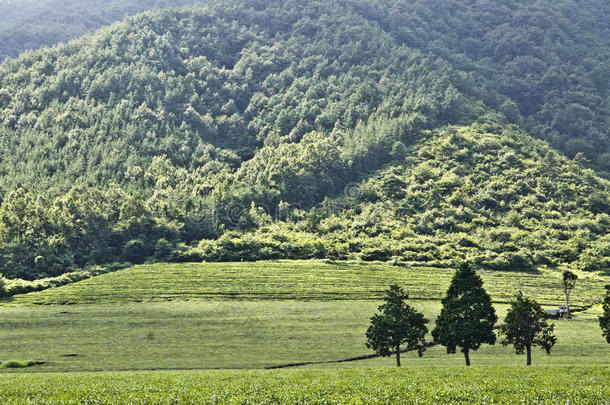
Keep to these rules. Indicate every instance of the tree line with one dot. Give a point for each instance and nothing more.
(467, 320)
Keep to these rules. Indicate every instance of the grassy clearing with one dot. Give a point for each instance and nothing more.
(409, 385)
(241, 334)
(299, 280)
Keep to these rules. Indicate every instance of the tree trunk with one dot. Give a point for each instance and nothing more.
(568, 304)
(467, 357)
(528, 350)
(398, 356)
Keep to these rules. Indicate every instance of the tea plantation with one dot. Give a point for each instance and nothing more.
(111, 333)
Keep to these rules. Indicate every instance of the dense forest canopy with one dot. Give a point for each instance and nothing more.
(286, 129)
(32, 24)
(552, 58)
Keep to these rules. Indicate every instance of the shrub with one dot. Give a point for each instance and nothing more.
(512, 261)
(3, 291)
(163, 249)
(18, 364)
(135, 251)
(376, 254)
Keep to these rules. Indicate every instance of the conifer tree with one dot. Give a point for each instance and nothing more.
(467, 318)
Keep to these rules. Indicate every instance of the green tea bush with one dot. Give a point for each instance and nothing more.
(17, 364)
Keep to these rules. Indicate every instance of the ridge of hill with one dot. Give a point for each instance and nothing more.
(31, 24)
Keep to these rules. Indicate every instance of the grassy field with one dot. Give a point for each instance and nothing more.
(241, 334)
(413, 385)
(300, 280)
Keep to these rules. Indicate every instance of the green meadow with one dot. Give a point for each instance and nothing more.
(256, 315)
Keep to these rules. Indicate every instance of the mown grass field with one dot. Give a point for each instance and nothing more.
(413, 385)
(300, 280)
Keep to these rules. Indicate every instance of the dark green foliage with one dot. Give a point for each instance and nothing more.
(3, 291)
(135, 251)
(31, 24)
(163, 249)
(467, 318)
(525, 325)
(549, 57)
(18, 364)
(396, 324)
(604, 319)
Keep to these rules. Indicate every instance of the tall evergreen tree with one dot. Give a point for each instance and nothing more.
(525, 326)
(468, 317)
(604, 319)
(396, 324)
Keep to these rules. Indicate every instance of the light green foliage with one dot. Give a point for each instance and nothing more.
(500, 199)
(420, 385)
(302, 280)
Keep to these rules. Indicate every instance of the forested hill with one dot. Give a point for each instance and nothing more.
(550, 57)
(242, 126)
(32, 24)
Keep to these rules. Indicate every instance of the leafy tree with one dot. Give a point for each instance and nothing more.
(467, 318)
(604, 319)
(135, 251)
(525, 326)
(569, 281)
(163, 249)
(396, 324)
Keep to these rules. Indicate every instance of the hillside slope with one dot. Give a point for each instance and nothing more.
(241, 126)
(550, 57)
(484, 192)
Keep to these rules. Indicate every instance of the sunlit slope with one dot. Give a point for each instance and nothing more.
(298, 280)
(259, 130)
